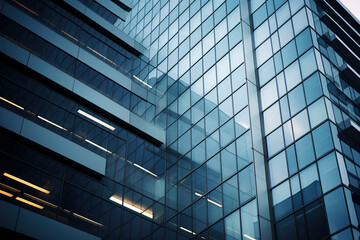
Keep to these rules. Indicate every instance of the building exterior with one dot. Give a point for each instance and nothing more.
(192, 119)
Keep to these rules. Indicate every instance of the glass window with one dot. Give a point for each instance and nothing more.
(269, 94)
(263, 52)
(289, 53)
(322, 140)
(305, 151)
(275, 142)
(242, 122)
(223, 68)
(300, 21)
(278, 169)
(316, 221)
(286, 33)
(231, 194)
(240, 99)
(282, 200)
(261, 33)
(224, 89)
(317, 112)
(212, 144)
(222, 48)
(292, 75)
(300, 124)
(261, 14)
(214, 199)
(296, 100)
(232, 226)
(336, 210)
(228, 161)
(283, 14)
(285, 229)
(291, 159)
(312, 88)
(227, 133)
(209, 80)
(285, 112)
(246, 184)
(249, 221)
(272, 118)
(310, 183)
(296, 191)
(244, 150)
(303, 41)
(213, 172)
(235, 36)
(308, 63)
(236, 56)
(288, 134)
(329, 173)
(266, 72)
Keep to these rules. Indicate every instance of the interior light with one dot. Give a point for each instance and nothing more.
(29, 203)
(40, 200)
(69, 35)
(144, 169)
(100, 147)
(11, 103)
(187, 230)
(247, 236)
(87, 219)
(101, 55)
(146, 213)
(26, 8)
(54, 124)
(26, 183)
(9, 188)
(96, 120)
(209, 200)
(142, 81)
(215, 203)
(6, 193)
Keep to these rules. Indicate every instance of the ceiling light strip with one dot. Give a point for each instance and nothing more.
(96, 120)
(54, 124)
(98, 146)
(26, 183)
(145, 170)
(29, 203)
(6, 193)
(4, 99)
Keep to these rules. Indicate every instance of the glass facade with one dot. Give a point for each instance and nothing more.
(192, 119)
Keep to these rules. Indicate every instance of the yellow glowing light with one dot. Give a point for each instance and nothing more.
(9, 188)
(96, 120)
(40, 200)
(142, 81)
(54, 124)
(69, 35)
(209, 200)
(6, 193)
(98, 146)
(26, 183)
(87, 219)
(29, 203)
(146, 213)
(101, 56)
(26, 8)
(247, 236)
(187, 230)
(11, 103)
(145, 170)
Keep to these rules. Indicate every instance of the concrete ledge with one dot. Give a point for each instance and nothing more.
(49, 71)
(113, 8)
(38, 226)
(109, 27)
(52, 141)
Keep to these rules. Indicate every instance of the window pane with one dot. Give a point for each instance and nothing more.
(329, 173)
(278, 169)
(310, 183)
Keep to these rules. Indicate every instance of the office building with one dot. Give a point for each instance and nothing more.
(192, 119)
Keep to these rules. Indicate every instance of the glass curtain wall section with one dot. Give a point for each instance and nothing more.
(301, 93)
(210, 180)
(147, 81)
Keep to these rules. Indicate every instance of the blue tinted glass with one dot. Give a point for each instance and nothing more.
(231, 194)
(246, 184)
(303, 41)
(310, 183)
(296, 100)
(275, 141)
(285, 229)
(282, 200)
(312, 88)
(289, 53)
(336, 210)
(322, 139)
(305, 151)
(329, 173)
(278, 169)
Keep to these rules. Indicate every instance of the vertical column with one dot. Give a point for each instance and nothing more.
(266, 231)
